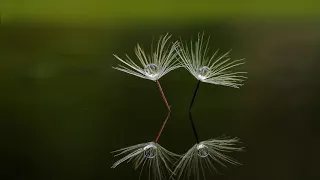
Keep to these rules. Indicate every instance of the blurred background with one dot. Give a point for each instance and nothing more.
(63, 108)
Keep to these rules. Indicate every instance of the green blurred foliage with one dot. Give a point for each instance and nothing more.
(102, 10)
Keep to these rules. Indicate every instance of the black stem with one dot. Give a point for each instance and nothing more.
(190, 113)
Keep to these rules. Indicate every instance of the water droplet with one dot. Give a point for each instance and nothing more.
(151, 70)
(150, 151)
(203, 72)
(202, 150)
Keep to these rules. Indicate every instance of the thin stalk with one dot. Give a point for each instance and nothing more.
(190, 113)
(168, 115)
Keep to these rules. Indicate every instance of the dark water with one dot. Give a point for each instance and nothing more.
(63, 108)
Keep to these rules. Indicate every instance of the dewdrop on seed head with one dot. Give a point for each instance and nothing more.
(202, 150)
(203, 72)
(150, 150)
(151, 71)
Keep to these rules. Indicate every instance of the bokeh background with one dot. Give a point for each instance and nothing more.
(63, 108)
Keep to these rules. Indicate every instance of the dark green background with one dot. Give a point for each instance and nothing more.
(63, 108)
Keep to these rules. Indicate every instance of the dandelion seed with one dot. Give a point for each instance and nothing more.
(154, 65)
(157, 158)
(206, 155)
(151, 154)
(210, 69)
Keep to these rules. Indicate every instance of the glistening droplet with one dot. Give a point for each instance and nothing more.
(203, 72)
(151, 70)
(150, 151)
(202, 150)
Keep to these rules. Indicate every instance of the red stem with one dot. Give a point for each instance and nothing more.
(169, 111)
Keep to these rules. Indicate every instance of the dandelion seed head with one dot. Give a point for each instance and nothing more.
(210, 68)
(152, 65)
(149, 157)
(206, 155)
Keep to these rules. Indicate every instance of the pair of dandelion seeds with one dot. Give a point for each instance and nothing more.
(204, 155)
